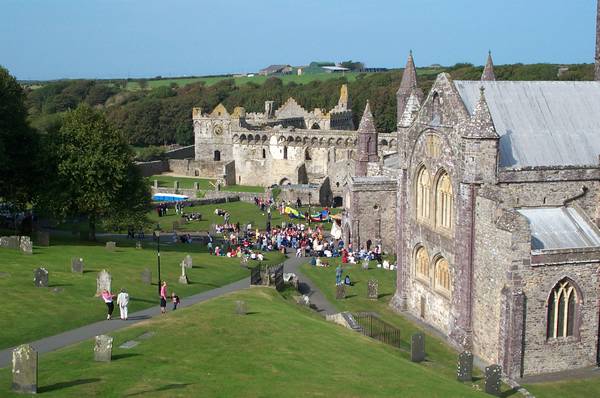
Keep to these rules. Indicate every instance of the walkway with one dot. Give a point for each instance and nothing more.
(64, 339)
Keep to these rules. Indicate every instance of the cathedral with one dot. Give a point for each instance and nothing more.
(491, 204)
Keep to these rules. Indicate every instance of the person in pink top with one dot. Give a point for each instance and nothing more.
(108, 300)
(163, 297)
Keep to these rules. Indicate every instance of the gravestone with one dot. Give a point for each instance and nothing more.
(493, 375)
(77, 265)
(183, 279)
(146, 335)
(103, 282)
(26, 245)
(417, 347)
(129, 344)
(196, 186)
(240, 307)
(340, 292)
(111, 246)
(155, 183)
(147, 277)
(24, 369)
(103, 348)
(138, 245)
(13, 242)
(373, 289)
(4, 242)
(464, 371)
(40, 277)
(187, 261)
(43, 238)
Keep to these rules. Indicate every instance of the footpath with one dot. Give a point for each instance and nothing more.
(70, 337)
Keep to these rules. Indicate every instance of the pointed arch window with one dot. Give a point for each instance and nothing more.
(423, 195)
(563, 304)
(442, 275)
(436, 114)
(444, 202)
(422, 263)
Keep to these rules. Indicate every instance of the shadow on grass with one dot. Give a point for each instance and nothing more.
(509, 393)
(166, 387)
(384, 295)
(60, 284)
(124, 356)
(66, 384)
(143, 300)
(138, 317)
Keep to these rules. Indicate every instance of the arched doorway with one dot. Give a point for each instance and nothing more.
(338, 201)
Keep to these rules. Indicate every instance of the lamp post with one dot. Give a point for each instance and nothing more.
(157, 236)
(309, 211)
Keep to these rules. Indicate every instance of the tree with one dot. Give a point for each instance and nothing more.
(18, 145)
(95, 176)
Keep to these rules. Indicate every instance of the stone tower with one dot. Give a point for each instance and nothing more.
(344, 101)
(488, 71)
(367, 143)
(408, 86)
(597, 63)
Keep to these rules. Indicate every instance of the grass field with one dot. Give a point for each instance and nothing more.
(302, 79)
(278, 350)
(205, 183)
(33, 312)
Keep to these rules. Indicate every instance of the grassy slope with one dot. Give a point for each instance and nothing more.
(206, 350)
(33, 312)
(188, 183)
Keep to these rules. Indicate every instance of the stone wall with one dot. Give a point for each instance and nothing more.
(151, 168)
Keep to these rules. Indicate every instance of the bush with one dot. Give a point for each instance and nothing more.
(150, 153)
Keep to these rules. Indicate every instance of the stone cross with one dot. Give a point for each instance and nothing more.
(417, 347)
(240, 307)
(24, 369)
(187, 261)
(43, 238)
(340, 292)
(464, 371)
(111, 246)
(493, 375)
(103, 348)
(373, 289)
(77, 265)
(183, 279)
(26, 245)
(103, 282)
(40, 277)
(147, 277)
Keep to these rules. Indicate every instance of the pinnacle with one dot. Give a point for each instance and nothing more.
(481, 124)
(488, 72)
(409, 76)
(366, 122)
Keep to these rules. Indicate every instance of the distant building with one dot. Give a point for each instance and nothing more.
(276, 70)
(335, 69)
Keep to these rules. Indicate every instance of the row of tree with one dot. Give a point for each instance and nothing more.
(83, 169)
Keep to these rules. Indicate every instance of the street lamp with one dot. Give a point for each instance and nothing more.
(157, 236)
(309, 211)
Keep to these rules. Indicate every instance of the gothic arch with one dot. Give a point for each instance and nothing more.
(330, 142)
(563, 309)
(441, 275)
(290, 140)
(315, 126)
(421, 262)
(383, 143)
(422, 183)
(250, 138)
(264, 138)
(243, 139)
(314, 141)
(339, 142)
(298, 140)
(305, 140)
(444, 201)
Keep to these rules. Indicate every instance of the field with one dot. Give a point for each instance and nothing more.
(167, 181)
(278, 349)
(69, 300)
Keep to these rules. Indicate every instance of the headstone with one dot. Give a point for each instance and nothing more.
(103, 348)
(365, 264)
(493, 375)
(13, 242)
(129, 344)
(176, 184)
(40, 277)
(373, 289)
(417, 347)
(196, 186)
(111, 246)
(147, 277)
(77, 265)
(103, 282)
(138, 245)
(4, 242)
(464, 371)
(26, 245)
(187, 261)
(43, 238)
(183, 279)
(340, 292)
(240, 307)
(146, 335)
(24, 369)
(155, 183)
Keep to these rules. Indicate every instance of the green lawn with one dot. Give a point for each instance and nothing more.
(278, 350)
(572, 388)
(33, 312)
(205, 184)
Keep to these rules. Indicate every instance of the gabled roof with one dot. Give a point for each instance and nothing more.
(541, 123)
(559, 228)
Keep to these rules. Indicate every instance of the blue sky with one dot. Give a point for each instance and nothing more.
(50, 39)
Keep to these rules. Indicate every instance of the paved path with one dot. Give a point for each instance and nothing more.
(103, 327)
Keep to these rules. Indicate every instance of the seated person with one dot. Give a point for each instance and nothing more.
(260, 257)
(319, 263)
(347, 281)
(313, 261)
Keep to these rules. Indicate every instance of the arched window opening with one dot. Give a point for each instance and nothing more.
(264, 153)
(562, 310)
(423, 194)
(307, 154)
(436, 115)
(444, 202)
(442, 275)
(422, 263)
(217, 156)
(315, 126)
(285, 152)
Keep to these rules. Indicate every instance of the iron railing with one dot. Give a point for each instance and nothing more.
(374, 327)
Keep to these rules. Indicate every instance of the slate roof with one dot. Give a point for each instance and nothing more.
(541, 123)
(559, 228)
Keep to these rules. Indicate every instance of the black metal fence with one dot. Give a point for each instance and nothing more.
(267, 275)
(255, 276)
(277, 271)
(372, 326)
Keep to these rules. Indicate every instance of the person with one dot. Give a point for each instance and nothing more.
(347, 280)
(338, 275)
(175, 299)
(108, 300)
(122, 302)
(163, 297)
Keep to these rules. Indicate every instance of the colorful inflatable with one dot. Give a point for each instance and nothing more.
(322, 216)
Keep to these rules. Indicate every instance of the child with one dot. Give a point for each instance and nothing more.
(175, 299)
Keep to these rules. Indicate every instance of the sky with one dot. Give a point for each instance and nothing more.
(52, 39)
